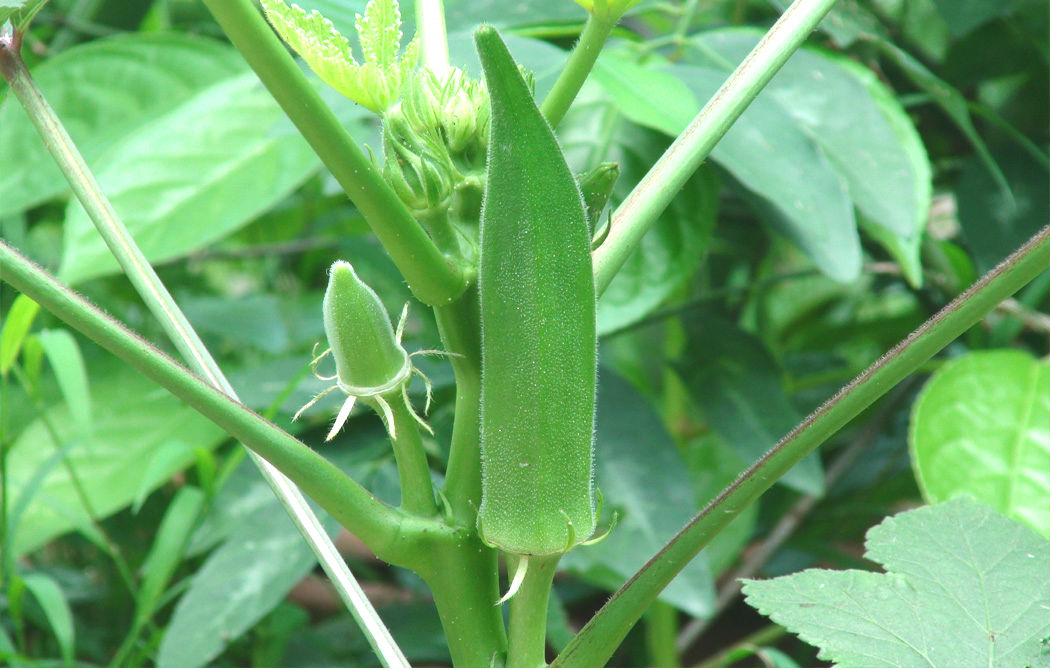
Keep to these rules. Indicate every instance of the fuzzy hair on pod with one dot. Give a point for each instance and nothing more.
(539, 337)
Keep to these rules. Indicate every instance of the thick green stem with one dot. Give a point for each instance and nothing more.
(661, 184)
(178, 328)
(595, 644)
(528, 613)
(461, 333)
(580, 63)
(433, 278)
(417, 489)
(433, 38)
(387, 531)
(463, 576)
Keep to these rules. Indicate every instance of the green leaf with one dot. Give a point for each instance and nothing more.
(950, 100)
(103, 91)
(736, 384)
(132, 419)
(375, 84)
(641, 477)
(53, 602)
(20, 12)
(783, 172)
(538, 350)
(239, 583)
(167, 550)
(379, 30)
(594, 131)
(193, 176)
(982, 427)
(16, 325)
(963, 16)
(67, 363)
(714, 466)
(855, 119)
(995, 222)
(964, 587)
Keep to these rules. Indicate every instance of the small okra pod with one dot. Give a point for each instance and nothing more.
(370, 363)
(538, 329)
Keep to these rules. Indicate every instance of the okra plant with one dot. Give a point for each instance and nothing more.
(514, 226)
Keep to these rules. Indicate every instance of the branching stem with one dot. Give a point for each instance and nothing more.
(595, 644)
(433, 278)
(528, 614)
(580, 63)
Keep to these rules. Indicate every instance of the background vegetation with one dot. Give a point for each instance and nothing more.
(897, 157)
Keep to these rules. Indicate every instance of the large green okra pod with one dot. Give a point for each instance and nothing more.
(538, 329)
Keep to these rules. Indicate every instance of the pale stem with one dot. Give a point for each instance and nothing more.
(433, 38)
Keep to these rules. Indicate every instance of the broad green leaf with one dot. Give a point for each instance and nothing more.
(189, 178)
(594, 131)
(260, 555)
(964, 587)
(53, 602)
(240, 582)
(67, 363)
(132, 419)
(538, 348)
(642, 478)
(714, 466)
(16, 324)
(982, 428)
(166, 459)
(103, 91)
(995, 222)
(950, 100)
(854, 118)
(736, 384)
(167, 550)
(783, 172)
(962, 16)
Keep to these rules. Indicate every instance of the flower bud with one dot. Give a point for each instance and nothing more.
(419, 170)
(367, 353)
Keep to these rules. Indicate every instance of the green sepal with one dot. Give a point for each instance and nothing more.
(538, 328)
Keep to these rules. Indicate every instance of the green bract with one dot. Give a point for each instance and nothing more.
(376, 83)
(538, 329)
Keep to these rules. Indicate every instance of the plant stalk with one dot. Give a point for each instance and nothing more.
(460, 329)
(661, 184)
(417, 489)
(389, 532)
(578, 67)
(595, 644)
(432, 277)
(528, 613)
(181, 332)
(463, 577)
